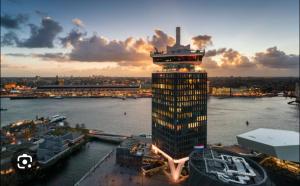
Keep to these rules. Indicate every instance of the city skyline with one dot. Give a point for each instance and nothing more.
(114, 38)
(96, 92)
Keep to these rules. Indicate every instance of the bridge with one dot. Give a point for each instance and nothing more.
(107, 137)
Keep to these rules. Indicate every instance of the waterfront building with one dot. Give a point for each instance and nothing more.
(214, 167)
(282, 144)
(55, 145)
(130, 153)
(238, 92)
(279, 150)
(56, 88)
(89, 90)
(223, 91)
(179, 103)
(10, 86)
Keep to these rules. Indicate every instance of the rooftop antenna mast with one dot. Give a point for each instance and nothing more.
(178, 36)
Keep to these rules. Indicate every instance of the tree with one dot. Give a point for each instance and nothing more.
(66, 124)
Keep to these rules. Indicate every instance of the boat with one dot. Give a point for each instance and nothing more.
(58, 97)
(57, 118)
(123, 97)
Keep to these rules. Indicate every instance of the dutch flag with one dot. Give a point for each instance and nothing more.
(199, 147)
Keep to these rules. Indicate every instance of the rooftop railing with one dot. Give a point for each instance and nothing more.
(202, 52)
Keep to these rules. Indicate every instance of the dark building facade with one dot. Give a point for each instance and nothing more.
(215, 167)
(179, 101)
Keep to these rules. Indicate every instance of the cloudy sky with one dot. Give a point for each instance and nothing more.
(114, 38)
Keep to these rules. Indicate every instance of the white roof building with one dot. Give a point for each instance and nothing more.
(282, 144)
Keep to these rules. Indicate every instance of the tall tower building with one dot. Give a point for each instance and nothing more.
(179, 103)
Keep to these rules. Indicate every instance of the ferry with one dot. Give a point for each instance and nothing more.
(57, 118)
(4, 109)
(58, 97)
(121, 97)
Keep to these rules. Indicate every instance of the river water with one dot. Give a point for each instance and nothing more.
(226, 119)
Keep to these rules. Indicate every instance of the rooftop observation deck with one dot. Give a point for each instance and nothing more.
(187, 52)
(179, 71)
(177, 54)
(186, 56)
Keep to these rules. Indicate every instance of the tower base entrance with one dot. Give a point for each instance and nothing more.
(175, 165)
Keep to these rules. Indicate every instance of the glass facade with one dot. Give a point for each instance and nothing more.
(179, 111)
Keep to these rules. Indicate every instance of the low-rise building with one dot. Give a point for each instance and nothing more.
(282, 144)
(213, 167)
(130, 153)
(56, 144)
